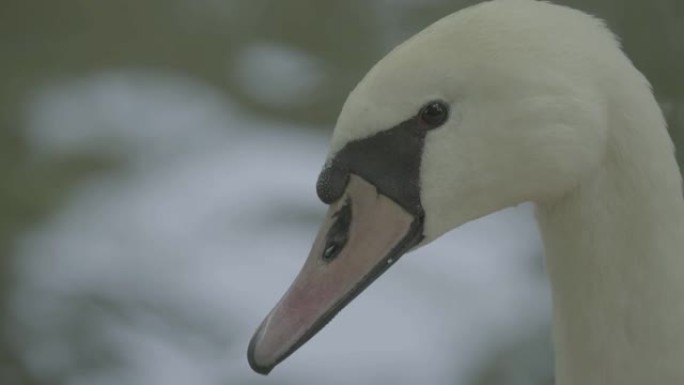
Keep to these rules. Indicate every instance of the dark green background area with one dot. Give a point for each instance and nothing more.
(43, 41)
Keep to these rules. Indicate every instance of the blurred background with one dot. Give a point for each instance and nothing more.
(158, 161)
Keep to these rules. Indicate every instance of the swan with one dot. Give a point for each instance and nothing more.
(505, 102)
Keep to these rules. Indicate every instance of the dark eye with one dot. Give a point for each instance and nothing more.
(434, 114)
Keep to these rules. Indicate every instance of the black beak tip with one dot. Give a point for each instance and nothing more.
(257, 367)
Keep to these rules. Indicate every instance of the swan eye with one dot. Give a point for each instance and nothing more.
(434, 114)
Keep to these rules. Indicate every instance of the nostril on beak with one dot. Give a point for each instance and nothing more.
(338, 233)
(331, 251)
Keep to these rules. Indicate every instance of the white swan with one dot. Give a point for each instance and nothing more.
(505, 102)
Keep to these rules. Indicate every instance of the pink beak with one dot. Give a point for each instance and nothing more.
(363, 233)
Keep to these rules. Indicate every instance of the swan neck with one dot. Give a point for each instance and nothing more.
(615, 257)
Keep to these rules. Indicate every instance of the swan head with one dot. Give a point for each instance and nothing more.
(495, 105)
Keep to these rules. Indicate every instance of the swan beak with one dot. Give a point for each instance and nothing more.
(364, 232)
